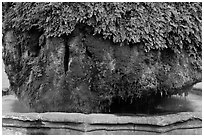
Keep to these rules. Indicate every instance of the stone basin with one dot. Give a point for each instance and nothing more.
(184, 116)
(115, 75)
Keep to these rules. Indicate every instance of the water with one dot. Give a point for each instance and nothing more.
(5, 81)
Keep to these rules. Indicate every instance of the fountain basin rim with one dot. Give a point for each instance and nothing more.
(99, 118)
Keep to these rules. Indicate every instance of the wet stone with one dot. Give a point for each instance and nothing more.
(85, 73)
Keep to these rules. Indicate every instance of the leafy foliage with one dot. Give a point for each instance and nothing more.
(157, 25)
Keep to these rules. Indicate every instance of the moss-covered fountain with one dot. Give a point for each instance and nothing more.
(83, 58)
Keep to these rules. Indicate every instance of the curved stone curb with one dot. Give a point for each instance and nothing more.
(77, 123)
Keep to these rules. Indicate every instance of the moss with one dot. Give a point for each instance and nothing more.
(158, 25)
(84, 57)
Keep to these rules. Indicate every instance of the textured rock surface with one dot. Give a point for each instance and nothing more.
(85, 73)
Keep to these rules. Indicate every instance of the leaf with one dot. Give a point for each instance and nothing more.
(132, 22)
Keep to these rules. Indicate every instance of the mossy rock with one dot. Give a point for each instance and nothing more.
(81, 71)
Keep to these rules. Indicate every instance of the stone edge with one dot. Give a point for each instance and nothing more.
(79, 123)
(160, 120)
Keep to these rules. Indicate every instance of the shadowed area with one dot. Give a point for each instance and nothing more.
(175, 104)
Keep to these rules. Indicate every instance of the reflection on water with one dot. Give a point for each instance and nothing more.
(175, 104)
(190, 103)
(10, 104)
